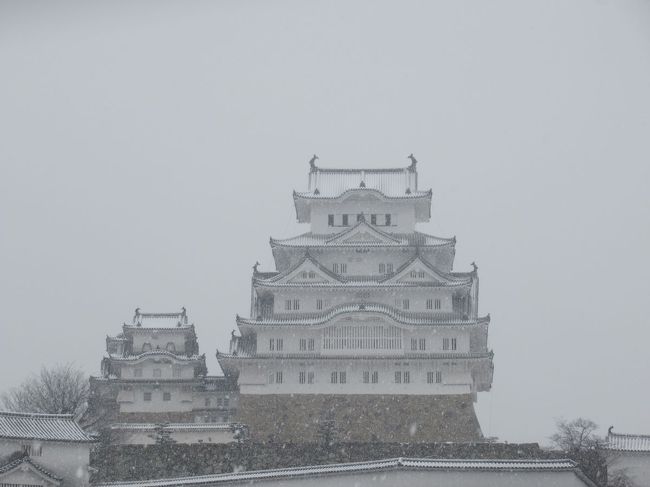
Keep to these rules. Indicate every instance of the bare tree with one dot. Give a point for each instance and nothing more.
(576, 435)
(61, 389)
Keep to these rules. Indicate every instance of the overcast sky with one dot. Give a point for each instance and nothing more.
(148, 150)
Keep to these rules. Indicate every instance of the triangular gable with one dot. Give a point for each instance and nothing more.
(25, 471)
(363, 233)
(418, 270)
(305, 272)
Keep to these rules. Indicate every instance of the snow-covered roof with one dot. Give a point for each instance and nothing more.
(628, 442)
(160, 320)
(175, 426)
(318, 356)
(33, 426)
(412, 319)
(26, 463)
(156, 353)
(360, 467)
(310, 239)
(392, 182)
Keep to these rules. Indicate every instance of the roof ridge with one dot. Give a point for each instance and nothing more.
(41, 415)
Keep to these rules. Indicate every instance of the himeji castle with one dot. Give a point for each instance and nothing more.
(364, 332)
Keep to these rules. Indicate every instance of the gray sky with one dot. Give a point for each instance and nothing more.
(149, 149)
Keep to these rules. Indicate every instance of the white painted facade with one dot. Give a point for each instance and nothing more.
(145, 434)
(629, 454)
(362, 295)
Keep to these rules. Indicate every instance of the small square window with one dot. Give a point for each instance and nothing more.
(278, 377)
(301, 377)
(342, 377)
(398, 377)
(366, 377)
(422, 344)
(167, 396)
(147, 396)
(319, 304)
(407, 377)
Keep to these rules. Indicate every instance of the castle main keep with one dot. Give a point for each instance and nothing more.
(363, 332)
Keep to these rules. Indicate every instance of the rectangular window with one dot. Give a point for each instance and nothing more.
(310, 377)
(389, 268)
(296, 304)
(279, 344)
(413, 273)
(301, 377)
(345, 220)
(330, 220)
(438, 304)
(278, 377)
(344, 268)
(310, 345)
(414, 343)
(373, 219)
(137, 372)
(407, 377)
(319, 304)
(176, 371)
(429, 303)
(375, 377)
(226, 402)
(366, 377)
(382, 268)
(445, 343)
(359, 217)
(388, 219)
(287, 305)
(271, 378)
(422, 344)
(303, 344)
(398, 377)
(147, 396)
(421, 274)
(405, 304)
(271, 344)
(335, 268)
(438, 377)
(157, 373)
(453, 344)
(342, 377)
(167, 396)
(334, 378)
(430, 378)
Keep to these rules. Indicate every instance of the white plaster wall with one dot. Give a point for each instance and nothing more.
(132, 401)
(635, 464)
(255, 377)
(158, 339)
(392, 296)
(67, 460)
(402, 213)
(165, 365)
(187, 437)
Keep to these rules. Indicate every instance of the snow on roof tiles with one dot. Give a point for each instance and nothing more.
(628, 442)
(32, 426)
(26, 460)
(315, 240)
(389, 464)
(394, 182)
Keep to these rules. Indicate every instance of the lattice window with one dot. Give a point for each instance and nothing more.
(362, 337)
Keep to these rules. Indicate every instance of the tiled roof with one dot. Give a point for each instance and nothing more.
(318, 356)
(160, 320)
(628, 442)
(393, 182)
(33, 426)
(27, 460)
(373, 466)
(310, 239)
(154, 353)
(414, 319)
(175, 426)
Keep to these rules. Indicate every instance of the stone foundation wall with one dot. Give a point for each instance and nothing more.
(130, 462)
(384, 418)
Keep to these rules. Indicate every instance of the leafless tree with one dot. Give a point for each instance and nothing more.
(61, 389)
(576, 435)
